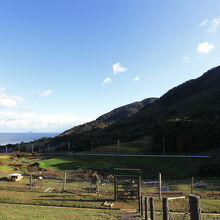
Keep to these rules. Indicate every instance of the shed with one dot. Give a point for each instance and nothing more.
(15, 177)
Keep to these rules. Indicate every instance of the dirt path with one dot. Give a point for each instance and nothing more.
(130, 216)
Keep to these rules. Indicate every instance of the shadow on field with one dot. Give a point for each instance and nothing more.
(65, 166)
(73, 200)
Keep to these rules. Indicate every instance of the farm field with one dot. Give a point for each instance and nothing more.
(21, 212)
(184, 167)
(77, 194)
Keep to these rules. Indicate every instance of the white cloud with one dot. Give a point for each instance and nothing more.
(26, 108)
(205, 47)
(186, 59)
(3, 89)
(26, 121)
(203, 23)
(106, 80)
(8, 100)
(45, 93)
(214, 25)
(136, 79)
(117, 68)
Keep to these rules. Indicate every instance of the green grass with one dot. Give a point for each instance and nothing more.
(183, 168)
(6, 169)
(18, 212)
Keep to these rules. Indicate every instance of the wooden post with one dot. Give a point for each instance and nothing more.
(32, 148)
(139, 187)
(165, 209)
(140, 205)
(115, 189)
(160, 183)
(30, 180)
(64, 182)
(192, 183)
(151, 208)
(195, 210)
(97, 187)
(146, 207)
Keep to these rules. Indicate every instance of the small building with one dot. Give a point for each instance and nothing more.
(15, 177)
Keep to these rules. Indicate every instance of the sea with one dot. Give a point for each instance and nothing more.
(14, 138)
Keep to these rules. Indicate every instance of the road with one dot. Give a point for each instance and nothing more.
(142, 155)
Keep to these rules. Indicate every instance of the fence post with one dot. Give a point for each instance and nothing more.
(192, 183)
(146, 207)
(115, 188)
(97, 187)
(139, 204)
(165, 209)
(151, 208)
(160, 183)
(195, 210)
(64, 182)
(142, 206)
(30, 181)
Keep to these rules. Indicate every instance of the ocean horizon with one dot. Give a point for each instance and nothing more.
(16, 137)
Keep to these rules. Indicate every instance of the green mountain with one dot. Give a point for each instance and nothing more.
(111, 117)
(186, 118)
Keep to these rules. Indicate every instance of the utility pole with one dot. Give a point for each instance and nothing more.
(69, 145)
(160, 183)
(118, 144)
(92, 146)
(164, 150)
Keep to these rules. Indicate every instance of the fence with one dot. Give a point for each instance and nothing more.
(203, 188)
(87, 181)
(147, 209)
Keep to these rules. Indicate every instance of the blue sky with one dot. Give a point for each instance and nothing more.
(66, 62)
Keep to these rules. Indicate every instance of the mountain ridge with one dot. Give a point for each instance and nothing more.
(187, 115)
(109, 118)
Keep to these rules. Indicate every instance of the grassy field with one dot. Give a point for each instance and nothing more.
(76, 196)
(19, 212)
(184, 167)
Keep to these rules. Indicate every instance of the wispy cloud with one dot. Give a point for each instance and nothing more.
(211, 25)
(26, 121)
(137, 78)
(45, 93)
(186, 59)
(203, 23)
(106, 80)
(214, 25)
(118, 68)
(7, 100)
(26, 108)
(205, 47)
(3, 89)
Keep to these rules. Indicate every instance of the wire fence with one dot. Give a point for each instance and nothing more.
(88, 181)
(203, 188)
